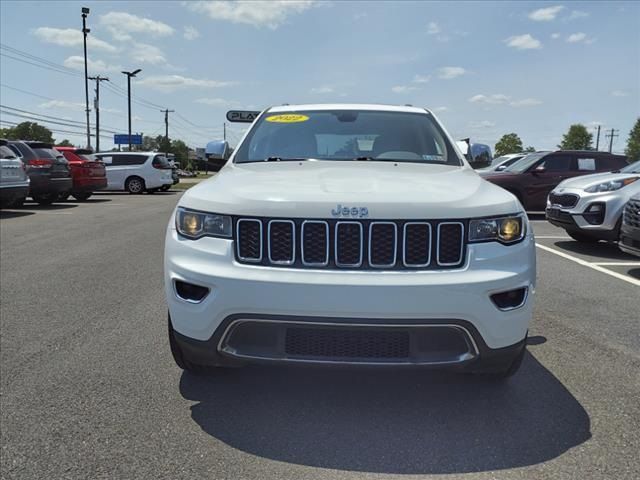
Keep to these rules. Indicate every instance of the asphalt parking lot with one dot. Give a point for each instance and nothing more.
(88, 388)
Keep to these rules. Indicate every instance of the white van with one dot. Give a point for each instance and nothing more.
(136, 172)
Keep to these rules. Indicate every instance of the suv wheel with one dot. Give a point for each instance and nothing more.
(45, 198)
(165, 188)
(82, 196)
(134, 185)
(500, 373)
(581, 237)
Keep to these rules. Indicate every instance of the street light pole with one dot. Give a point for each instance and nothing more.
(85, 30)
(129, 75)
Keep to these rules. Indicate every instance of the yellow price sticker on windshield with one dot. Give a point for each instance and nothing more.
(287, 118)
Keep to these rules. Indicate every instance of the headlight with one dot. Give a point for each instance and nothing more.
(503, 229)
(610, 186)
(192, 224)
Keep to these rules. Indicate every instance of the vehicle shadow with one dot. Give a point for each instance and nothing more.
(54, 206)
(603, 250)
(14, 213)
(87, 201)
(635, 273)
(389, 421)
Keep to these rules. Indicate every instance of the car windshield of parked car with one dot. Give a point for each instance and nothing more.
(632, 168)
(525, 162)
(346, 135)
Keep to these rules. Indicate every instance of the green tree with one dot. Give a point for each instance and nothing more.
(633, 144)
(577, 138)
(509, 143)
(181, 151)
(529, 149)
(29, 131)
(65, 143)
(149, 144)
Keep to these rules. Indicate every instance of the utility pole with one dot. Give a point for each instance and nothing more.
(598, 139)
(129, 75)
(85, 30)
(96, 107)
(610, 136)
(166, 128)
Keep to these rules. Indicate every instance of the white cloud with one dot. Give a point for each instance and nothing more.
(546, 14)
(576, 14)
(122, 24)
(257, 13)
(555, 36)
(421, 78)
(145, 53)
(580, 37)
(447, 73)
(403, 89)
(482, 124)
(169, 83)
(619, 93)
(322, 90)
(494, 99)
(525, 102)
(63, 104)
(191, 33)
(523, 42)
(70, 37)
(93, 66)
(217, 102)
(433, 28)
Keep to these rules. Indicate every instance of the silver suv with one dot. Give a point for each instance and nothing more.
(14, 183)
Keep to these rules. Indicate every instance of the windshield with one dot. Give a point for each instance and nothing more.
(525, 162)
(347, 135)
(633, 168)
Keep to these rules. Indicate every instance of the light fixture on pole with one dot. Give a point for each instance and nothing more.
(129, 75)
(85, 30)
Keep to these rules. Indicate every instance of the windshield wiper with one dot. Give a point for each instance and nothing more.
(282, 159)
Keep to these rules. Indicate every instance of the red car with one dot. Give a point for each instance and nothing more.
(88, 175)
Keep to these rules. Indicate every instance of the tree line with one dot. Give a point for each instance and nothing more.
(576, 138)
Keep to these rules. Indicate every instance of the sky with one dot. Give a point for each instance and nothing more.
(484, 68)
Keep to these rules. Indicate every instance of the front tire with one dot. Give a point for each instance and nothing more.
(82, 196)
(500, 373)
(581, 237)
(165, 188)
(182, 359)
(45, 199)
(63, 197)
(134, 185)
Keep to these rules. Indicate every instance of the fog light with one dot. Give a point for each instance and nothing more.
(190, 292)
(594, 214)
(510, 299)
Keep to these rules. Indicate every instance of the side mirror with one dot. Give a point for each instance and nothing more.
(501, 168)
(539, 169)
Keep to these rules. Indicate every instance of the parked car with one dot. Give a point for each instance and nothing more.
(88, 174)
(48, 170)
(390, 251)
(14, 182)
(500, 163)
(136, 172)
(630, 230)
(532, 177)
(589, 207)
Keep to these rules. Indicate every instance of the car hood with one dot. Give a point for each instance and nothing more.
(585, 181)
(313, 189)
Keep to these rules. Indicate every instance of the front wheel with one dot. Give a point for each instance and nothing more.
(82, 196)
(165, 188)
(45, 198)
(134, 185)
(581, 237)
(63, 197)
(18, 202)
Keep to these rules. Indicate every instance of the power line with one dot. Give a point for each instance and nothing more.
(25, 91)
(48, 116)
(55, 130)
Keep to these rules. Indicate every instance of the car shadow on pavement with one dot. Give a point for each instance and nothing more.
(14, 213)
(52, 207)
(602, 250)
(635, 273)
(389, 421)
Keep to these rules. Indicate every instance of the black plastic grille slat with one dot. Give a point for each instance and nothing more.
(249, 241)
(417, 244)
(315, 242)
(281, 241)
(566, 200)
(450, 243)
(348, 243)
(632, 213)
(383, 244)
(345, 343)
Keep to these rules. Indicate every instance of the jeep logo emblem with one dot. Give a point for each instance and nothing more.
(350, 212)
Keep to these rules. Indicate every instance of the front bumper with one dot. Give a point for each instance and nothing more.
(576, 218)
(630, 240)
(460, 296)
(89, 184)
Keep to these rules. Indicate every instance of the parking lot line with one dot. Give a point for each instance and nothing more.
(593, 266)
(617, 264)
(554, 237)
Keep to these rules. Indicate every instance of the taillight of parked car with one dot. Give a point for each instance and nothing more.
(40, 163)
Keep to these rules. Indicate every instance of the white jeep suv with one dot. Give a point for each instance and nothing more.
(349, 234)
